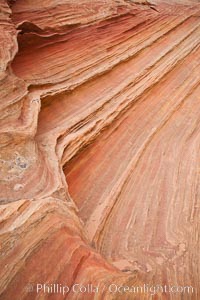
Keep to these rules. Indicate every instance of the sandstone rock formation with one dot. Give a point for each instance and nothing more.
(99, 148)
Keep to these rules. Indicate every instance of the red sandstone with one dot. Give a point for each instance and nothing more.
(99, 148)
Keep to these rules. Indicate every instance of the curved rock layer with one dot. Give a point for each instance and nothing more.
(100, 140)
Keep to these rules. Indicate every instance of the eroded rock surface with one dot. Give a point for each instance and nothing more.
(99, 148)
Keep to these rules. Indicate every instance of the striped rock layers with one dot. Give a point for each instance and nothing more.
(99, 148)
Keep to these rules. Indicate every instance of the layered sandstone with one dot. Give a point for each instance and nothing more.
(99, 148)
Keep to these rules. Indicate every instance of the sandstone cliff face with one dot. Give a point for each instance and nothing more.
(99, 148)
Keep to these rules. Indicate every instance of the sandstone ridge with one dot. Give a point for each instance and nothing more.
(99, 148)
